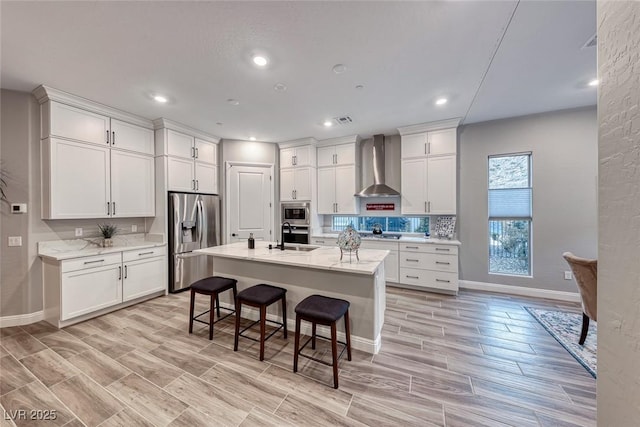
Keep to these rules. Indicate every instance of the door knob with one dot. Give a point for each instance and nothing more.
(233, 234)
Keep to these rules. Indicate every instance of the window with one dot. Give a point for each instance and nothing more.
(397, 224)
(510, 214)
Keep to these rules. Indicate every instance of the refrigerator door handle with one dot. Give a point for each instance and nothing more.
(200, 221)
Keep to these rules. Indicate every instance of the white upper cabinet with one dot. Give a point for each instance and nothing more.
(296, 156)
(336, 189)
(97, 162)
(295, 184)
(75, 123)
(441, 185)
(414, 145)
(125, 136)
(334, 155)
(442, 141)
(191, 160)
(414, 187)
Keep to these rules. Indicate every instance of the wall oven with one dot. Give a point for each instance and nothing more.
(295, 213)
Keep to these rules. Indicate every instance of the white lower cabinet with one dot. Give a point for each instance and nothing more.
(77, 288)
(390, 262)
(429, 266)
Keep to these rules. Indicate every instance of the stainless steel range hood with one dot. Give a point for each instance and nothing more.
(379, 188)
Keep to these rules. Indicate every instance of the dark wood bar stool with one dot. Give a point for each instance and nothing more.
(211, 286)
(260, 296)
(322, 310)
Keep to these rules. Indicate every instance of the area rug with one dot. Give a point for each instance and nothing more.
(565, 327)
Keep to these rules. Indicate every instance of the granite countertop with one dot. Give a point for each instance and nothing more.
(323, 257)
(59, 250)
(404, 238)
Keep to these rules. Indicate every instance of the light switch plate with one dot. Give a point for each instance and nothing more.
(568, 275)
(78, 232)
(15, 240)
(134, 228)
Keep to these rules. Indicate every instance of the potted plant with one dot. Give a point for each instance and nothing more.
(107, 231)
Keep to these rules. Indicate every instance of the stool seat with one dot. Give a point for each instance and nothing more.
(262, 294)
(213, 284)
(322, 309)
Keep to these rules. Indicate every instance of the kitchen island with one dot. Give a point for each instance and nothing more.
(307, 271)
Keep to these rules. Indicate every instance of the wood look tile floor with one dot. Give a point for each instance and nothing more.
(476, 359)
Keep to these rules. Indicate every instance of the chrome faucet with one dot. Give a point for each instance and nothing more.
(288, 224)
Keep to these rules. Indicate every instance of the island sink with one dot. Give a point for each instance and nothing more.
(299, 248)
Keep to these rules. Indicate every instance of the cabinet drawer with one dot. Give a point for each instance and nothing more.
(412, 247)
(429, 261)
(91, 262)
(442, 249)
(143, 253)
(429, 278)
(324, 241)
(379, 244)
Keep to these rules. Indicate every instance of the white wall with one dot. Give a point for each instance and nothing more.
(619, 221)
(564, 147)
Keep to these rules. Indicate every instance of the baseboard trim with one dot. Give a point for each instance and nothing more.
(519, 290)
(21, 319)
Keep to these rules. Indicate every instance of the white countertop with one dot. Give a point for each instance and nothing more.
(59, 250)
(323, 258)
(412, 239)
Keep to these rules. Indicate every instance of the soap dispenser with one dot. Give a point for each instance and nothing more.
(252, 241)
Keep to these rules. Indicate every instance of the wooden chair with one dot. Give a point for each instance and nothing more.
(585, 272)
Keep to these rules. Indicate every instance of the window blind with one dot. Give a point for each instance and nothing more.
(510, 203)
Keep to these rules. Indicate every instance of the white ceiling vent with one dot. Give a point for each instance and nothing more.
(344, 120)
(593, 40)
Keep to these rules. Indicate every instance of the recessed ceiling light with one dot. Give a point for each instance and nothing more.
(232, 101)
(328, 123)
(280, 87)
(594, 82)
(339, 68)
(161, 99)
(260, 61)
(252, 138)
(441, 101)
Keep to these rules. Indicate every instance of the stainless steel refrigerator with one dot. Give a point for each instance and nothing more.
(194, 223)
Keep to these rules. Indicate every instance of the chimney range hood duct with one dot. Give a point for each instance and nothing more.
(379, 188)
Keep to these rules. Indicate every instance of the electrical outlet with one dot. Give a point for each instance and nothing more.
(568, 275)
(15, 240)
(78, 232)
(134, 228)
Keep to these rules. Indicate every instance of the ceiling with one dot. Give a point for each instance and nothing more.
(490, 59)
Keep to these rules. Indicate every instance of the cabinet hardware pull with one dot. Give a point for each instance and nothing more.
(295, 160)
(443, 281)
(411, 247)
(108, 208)
(444, 263)
(335, 159)
(429, 204)
(197, 184)
(412, 260)
(412, 277)
(443, 249)
(425, 206)
(193, 152)
(193, 183)
(93, 262)
(425, 148)
(428, 148)
(107, 137)
(125, 271)
(145, 253)
(119, 272)
(113, 137)
(114, 208)
(197, 155)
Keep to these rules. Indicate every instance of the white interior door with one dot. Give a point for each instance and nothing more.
(250, 202)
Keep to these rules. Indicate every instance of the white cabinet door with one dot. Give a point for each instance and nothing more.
(126, 136)
(441, 185)
(345, 154)
(286, 157)
(88, 290)
(302, 182)
(144, 277)
(179, 145)
(180, 174)
(326, 190)
(78, 180)
(206, 178)
(326, 156)
(414, 186)
(345, 188)
(75, 123)
(206, 152)
(303, 156)
(287, 184)
(442, 141)
(132, 185)
(413, 145)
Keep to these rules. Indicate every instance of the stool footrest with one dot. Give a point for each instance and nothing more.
(344, 347)
(231, 312)
(255, 322)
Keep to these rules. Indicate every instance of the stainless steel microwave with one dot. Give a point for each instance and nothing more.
(295, 213)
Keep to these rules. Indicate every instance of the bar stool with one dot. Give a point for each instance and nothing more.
(260, 296)
(322, 310)
(211, 286)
